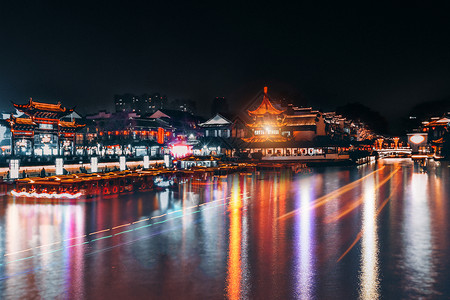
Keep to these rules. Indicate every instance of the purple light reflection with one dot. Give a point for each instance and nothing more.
(304, 240)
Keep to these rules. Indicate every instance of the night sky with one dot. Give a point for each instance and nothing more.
(387, 57)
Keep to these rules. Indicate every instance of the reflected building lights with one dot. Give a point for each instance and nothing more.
(234, 253)
(304, 251)
(417, 236)
(227, 239)
(245, 277)
(73, 227)
(369, 276)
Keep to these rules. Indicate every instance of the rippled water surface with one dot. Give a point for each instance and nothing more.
(378, 231)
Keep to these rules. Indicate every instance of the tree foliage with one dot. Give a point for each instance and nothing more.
(359, 112)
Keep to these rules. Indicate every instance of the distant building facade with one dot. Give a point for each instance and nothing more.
(125, 133)
(143, 104)
(438, 130)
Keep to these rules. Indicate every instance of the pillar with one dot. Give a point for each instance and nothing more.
(13, 146)
(32, 146)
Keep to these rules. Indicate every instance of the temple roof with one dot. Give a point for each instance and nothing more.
(299, 120)
(34, 107)
(217, 120)
(268, 123)
(265, 107)
(440, 122)
(70, 124)
(438, 141)
(20, 121)
(159, 114)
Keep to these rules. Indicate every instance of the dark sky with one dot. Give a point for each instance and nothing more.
(387, 57)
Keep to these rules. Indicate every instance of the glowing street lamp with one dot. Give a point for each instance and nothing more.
(94, 164)
(146, 162)
(122, 163)
(14, 168)
(59, 166)
(396, 139)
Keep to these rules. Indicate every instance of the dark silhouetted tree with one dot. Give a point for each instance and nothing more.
(362, 113)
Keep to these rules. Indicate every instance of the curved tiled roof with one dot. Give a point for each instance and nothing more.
(42, 106)
(70, 124)
(265, 107)
(300, 120)
(24, 121)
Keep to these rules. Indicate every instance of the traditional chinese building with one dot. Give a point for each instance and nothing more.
(217, 126)
(42, 132)
(292, 131)
(438, 129)
(126, 133)
(268, 122)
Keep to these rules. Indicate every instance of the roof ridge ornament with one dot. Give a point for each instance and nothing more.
(266, 107)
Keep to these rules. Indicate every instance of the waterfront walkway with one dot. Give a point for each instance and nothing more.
(34, 171)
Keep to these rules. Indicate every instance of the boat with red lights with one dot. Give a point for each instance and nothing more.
(76, 186)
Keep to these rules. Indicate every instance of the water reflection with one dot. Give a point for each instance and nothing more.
(369, 244)
(234, 252)
(304, 233)
(418, 265)
(246, 275)
(38, 237)
(228, 238)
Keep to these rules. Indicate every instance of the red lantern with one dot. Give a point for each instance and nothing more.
(160, 137)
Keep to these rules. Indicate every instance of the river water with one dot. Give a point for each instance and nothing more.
(376, 231)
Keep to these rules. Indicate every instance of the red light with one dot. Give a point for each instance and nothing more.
(160, 137)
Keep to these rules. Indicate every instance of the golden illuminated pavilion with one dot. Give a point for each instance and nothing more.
(267, 122)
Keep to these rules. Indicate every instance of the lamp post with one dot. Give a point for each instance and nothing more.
(122, 163)
(146, 162)
(94, 164)
(14, 168)
(396, 139)
(59, 166)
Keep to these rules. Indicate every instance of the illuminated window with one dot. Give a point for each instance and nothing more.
(45, 126)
